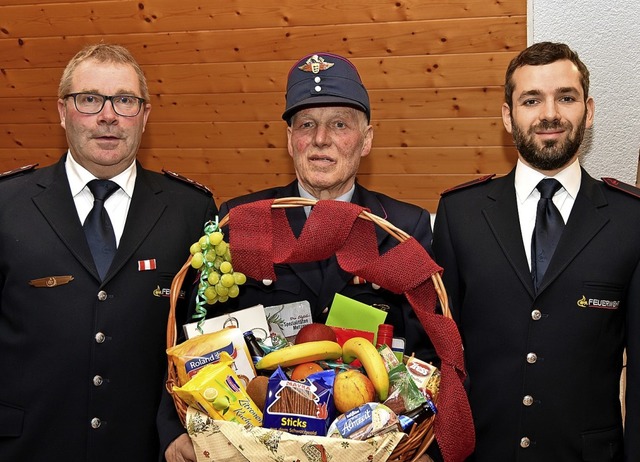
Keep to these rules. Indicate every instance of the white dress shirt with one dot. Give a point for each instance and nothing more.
(526, 180)
(117, 205)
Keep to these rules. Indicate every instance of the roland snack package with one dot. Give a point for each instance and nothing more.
(303, 407)
(217, 391)
(192, 355)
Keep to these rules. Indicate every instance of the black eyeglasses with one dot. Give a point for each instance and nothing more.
(92, 103)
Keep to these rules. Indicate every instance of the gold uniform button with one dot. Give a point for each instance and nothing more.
(532, 358)
(525, 442)
(527, 400)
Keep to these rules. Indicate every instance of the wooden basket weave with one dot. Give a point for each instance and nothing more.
(420, 437)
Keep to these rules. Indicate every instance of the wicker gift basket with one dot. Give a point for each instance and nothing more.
(258, 225)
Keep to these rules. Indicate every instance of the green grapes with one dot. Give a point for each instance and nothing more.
(213, 278)
(234, 291)
(216, 237)
(211, 256)
(240, 278)
(197, 260)
(227, 280)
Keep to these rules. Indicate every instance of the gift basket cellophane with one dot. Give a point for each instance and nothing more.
(260, 236)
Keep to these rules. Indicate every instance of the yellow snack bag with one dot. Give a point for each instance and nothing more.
(194, 354)
(218, 391)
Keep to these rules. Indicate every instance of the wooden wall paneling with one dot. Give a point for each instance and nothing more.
(392, 133)
(33, 18)
(430, 71)
(412, 103)
(217, 73)
(420, 160)
(393, 39)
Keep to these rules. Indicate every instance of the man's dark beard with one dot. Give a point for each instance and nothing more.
(554, 154)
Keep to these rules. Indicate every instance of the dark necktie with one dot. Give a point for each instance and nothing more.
(547, 231)
(98, 228)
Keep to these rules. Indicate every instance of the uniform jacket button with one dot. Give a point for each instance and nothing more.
(525, 442)
(100, 337)
(532, 358)
(102, 295)
(267, 282)
(536, 315)
(97, 380)
(527, 400)
(95, 422)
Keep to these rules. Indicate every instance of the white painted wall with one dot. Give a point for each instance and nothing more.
(606, 35)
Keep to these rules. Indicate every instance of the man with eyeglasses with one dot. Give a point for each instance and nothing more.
(88, 249)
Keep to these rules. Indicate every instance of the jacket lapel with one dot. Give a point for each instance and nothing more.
(502, 217)
(583, 224)
(144, 212)
(57, 206)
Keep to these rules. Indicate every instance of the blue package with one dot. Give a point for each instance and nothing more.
(301, 407)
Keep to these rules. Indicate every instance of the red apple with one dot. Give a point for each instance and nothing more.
(315, 331)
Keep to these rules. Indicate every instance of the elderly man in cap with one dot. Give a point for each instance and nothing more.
(327, 114)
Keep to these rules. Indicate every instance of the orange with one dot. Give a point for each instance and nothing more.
(301, 371)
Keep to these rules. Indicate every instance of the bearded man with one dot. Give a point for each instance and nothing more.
(543, 270)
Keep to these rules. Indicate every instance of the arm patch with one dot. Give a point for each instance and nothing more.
(189, 181)
(18, 171)
(620, 186)
(482, 179)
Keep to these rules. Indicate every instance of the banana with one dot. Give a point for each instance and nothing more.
(300, 353)
(366, 353)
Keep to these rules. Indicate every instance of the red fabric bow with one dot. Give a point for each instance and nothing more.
(261, 236)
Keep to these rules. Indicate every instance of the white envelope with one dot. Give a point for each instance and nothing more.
(252, 318)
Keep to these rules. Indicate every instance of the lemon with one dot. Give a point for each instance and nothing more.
(210, 394)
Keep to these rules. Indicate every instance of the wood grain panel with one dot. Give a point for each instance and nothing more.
(394, 133)
(437, 71)
(46, 19)
(443, 160)
(459, 160)
(474, 35)
(217, 74)
(411, 103)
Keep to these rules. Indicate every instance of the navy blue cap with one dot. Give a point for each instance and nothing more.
(324, 79)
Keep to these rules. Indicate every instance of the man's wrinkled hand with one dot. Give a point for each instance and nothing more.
(180, 450)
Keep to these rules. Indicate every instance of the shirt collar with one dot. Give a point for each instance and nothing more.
(346, 197)
(79, 177)
(526, 179)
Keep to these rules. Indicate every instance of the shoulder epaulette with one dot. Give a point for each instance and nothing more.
(482, 179)
(18, 171)
(620, 186)
(184, 179)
